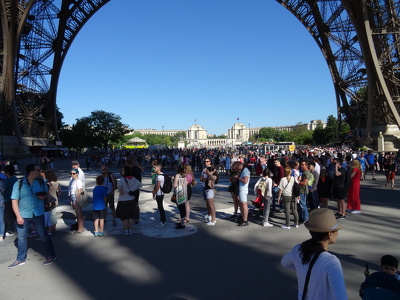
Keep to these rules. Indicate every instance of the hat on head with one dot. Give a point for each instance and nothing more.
(322, 220)
(75, 162)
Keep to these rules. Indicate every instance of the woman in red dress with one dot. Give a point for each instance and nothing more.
(353, 202)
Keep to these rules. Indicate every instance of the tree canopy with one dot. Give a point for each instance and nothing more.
(99, 129)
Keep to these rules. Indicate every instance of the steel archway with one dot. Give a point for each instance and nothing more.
(358, 39)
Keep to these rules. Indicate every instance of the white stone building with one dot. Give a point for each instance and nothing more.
(196, 135)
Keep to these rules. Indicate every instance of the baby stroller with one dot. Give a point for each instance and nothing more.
(258, 204)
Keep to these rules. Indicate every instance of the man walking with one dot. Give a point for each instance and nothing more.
(27, 202)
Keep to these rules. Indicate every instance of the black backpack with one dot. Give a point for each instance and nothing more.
(167, 187)
(295, 189)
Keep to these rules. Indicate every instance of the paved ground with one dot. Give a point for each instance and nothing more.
(199, 262)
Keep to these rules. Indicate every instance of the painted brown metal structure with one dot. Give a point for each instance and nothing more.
(359, 40)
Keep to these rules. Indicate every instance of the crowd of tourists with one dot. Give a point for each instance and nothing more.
(297, 184)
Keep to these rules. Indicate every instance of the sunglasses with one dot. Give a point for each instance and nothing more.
(73, 173)
(208, 161)
(104, 169)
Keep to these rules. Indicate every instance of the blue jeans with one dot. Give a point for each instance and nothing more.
(315, 200)
(22, 231)
(303, 206)
(275, 191)
(2, 223)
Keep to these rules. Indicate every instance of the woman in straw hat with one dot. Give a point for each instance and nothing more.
(325, 280)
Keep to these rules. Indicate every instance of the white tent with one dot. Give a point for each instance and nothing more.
(136, 140)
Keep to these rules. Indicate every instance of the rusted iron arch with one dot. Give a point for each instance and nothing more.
(13, 13)
(50, 35)
(308, 13)
(72, 19)
(364, 20)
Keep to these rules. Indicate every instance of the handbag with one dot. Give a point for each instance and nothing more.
(83, 200)
(181, 191)
(173, 198)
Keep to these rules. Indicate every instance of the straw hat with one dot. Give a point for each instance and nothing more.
(322, 220)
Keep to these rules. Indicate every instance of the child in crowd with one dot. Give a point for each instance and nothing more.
(387, 281)
(99, 206)
(390, 265)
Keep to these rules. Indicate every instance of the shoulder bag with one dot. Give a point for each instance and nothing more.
(312, 262)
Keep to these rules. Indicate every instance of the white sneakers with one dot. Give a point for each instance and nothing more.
(207, 218)
(211, 223)
(266, 224)
(285, 227)
(356, 212)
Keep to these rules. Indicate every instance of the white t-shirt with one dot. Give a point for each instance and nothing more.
(81, 176)
(326, 280)
(160, 178)
(74, 185)
(286, 186)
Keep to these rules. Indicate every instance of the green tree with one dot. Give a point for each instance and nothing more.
(344, 130)
(153, 139)
(331, 128)
(319, 135)
(99, 129)
(180, 135)
(272, 133)
(300, 135)
(68, 138)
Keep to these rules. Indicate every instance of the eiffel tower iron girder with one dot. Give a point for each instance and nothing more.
(35, 38)
(360, 43)
(358, 39)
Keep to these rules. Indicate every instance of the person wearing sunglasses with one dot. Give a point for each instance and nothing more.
(27, 202)
(81, 175)
(75, 192)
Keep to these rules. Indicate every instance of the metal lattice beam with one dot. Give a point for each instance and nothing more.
(35, 38)
(339, 29)
(358, 39)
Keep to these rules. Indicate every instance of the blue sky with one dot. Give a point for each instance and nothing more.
(170, 62)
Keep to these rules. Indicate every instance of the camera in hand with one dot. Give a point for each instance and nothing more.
(41, 194)
(131, 193)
